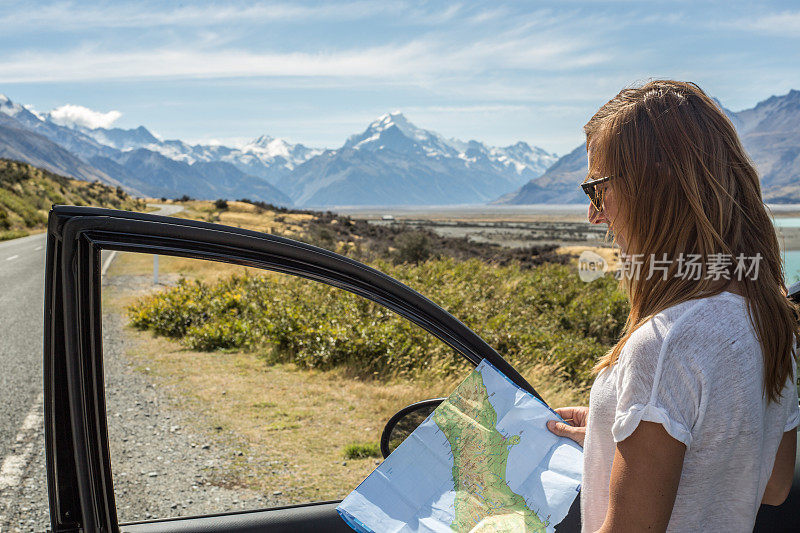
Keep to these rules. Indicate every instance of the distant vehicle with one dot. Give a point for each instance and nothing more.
(80, 484)
(387, 217)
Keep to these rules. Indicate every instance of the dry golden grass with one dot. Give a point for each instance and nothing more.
(292, 425)
(244, 215)
(238, 214)
(136, 264)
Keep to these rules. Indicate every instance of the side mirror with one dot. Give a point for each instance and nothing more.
(404, 422)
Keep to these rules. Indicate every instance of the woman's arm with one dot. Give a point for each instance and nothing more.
(644, 480)
(780, 481)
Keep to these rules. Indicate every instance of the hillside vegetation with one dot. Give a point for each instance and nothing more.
(28, 192)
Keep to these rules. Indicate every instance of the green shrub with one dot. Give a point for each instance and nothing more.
(362, 450)
(12, 234)
(413, 247)
(543, 314)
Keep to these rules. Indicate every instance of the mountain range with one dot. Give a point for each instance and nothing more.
(392, 162)
(770, 133)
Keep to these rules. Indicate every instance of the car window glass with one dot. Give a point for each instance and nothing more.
(232, 388)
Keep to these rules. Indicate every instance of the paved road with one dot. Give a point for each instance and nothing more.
(21, 322)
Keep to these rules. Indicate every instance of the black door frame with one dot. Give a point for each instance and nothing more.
(78, 468)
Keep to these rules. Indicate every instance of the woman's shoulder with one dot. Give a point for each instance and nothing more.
(686, 328)
(709, 321)
(652, 333)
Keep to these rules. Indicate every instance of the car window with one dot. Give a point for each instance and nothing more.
(232, 388)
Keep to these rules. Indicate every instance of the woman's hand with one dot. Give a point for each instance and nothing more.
(577, 416)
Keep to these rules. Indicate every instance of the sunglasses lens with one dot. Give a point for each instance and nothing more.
(597, 198)
(595, 189)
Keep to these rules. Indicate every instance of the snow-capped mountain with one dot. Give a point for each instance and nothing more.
(270, 158)
(770, 133)
(122, 139)
(265, 157)
(394, 132)
(270, 149)
(393, 162)
(10, 108)
(19, 143)
(558, 185)
(135, 159)
(74, 141)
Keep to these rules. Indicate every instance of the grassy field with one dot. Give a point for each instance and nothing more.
(307, 420)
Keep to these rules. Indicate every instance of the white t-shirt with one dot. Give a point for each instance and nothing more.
(697, 369)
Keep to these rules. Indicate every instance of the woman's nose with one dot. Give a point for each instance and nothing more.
(595, 216)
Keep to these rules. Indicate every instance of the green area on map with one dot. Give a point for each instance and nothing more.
(483, 500)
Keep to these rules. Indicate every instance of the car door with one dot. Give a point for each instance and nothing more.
(80, 483)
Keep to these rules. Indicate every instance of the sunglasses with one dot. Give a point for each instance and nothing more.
(594, 192)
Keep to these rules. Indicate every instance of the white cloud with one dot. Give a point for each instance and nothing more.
(83, 16)
(77, 115)
(417, 59)
(467, 108)
(785, 24)
(32, 110)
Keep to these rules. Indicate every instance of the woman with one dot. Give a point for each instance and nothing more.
(692, 416)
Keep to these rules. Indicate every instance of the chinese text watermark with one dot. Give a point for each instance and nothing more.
(715, 267)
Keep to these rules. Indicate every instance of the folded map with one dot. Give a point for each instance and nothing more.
(483, 461)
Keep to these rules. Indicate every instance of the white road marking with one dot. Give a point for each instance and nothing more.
(14, 464)
(12, 257)
(38, 248)
(107, 264)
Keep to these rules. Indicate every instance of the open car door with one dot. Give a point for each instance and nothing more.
(81, 487)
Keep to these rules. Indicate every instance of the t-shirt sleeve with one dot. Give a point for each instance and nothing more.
(790, 395)
(656, 382)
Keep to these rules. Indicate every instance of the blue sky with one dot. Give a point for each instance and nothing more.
(316, 72)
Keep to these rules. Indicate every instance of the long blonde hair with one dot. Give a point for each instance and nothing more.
(684, 184)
